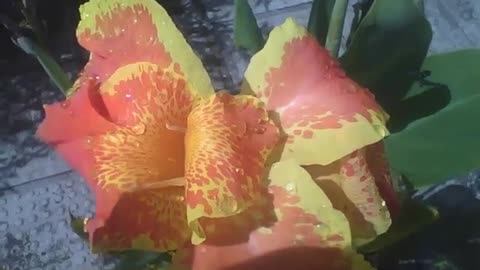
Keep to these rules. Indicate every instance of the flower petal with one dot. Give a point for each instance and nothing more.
(325, 114)
(308, 233)
(122, 32)
(74, 118)
(146, 152)
(146, 220)
(227, 143)
(352, 187)
(380, 169)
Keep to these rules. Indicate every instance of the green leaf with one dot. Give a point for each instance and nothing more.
(141, 260)
(360, 10)
(247, 34)
(53, 69)
(414, 216)
(446, 144)
(319, 19)
(335, 28)
(387, 49)
(77, 225)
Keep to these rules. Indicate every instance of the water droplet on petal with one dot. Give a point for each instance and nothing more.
(85, 221)
(260, 130)
(228, 205)
(380, 129)
(341, 74)
(139, 129)
(291, 187)
(128, 95)
(135, 20)
(261, 121)
(239, 171)
(65, 104)
(384, 203)
(89, 140)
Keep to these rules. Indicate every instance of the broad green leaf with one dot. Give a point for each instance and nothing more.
(413, 217)
(387, 49)
(247, 34)
(77, 225)
(141, 260)
(360, 10)
(445, 144)
(319, 19)
(53, 69)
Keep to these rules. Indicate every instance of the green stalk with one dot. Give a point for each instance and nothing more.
(53, 69)
(335, 29)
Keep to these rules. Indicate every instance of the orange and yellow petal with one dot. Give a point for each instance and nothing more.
(380, 169)
(228, 140)
(325, 114)
(123, 32)
(141, 143)
(351, 185)
(153, 220)
(307, 233)
(74, 118)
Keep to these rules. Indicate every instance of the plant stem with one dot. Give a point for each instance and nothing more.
(53, 69)
(335, 29)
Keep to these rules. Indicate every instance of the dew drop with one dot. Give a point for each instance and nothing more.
(260, 130)
(139, 129)
(135, 20)
(239, 171)
(89, 140)
(384, 203)
(341, 74)
(65, 104)
(85, 221)
(229, 205)
(380, 129)
(128, 96)
(122, 30)
(291, 187)
(261, 121)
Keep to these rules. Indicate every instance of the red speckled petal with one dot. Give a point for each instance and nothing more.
(325, 114)
(351, 185)
(227, 143)
(380, 169)
(307, 233)
(144, 220)
(74, 118)
(123, 32)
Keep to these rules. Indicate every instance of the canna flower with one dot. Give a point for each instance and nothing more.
(330, 125)
(304, 232)
(293, 164)
(332, 130)
(158, 147)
